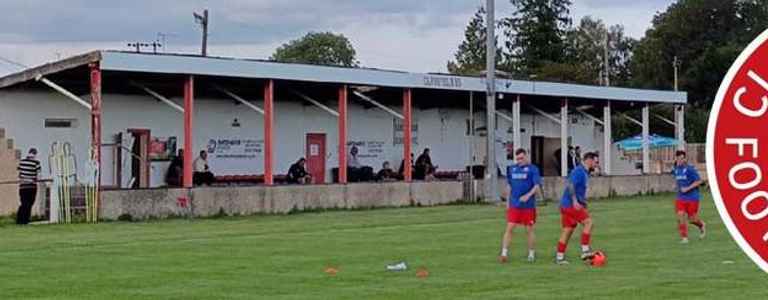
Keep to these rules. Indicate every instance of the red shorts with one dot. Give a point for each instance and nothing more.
(521, 216)
(570, 217)
(689, 207)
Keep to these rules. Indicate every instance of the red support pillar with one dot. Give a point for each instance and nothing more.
(96, 116)
(343, 134)
(407, 124)
(269, 110)
(189, 111)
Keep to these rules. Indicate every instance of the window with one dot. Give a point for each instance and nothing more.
(60, 123)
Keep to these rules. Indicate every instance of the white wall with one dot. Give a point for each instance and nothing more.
(443, 130)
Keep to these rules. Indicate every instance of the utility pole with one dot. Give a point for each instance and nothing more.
(203, 21)
(676, 66)
(607, 71)
(679, 110)
(490, 166)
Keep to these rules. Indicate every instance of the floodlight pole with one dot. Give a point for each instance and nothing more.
(490, 166)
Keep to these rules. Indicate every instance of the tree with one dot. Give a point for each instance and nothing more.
(706, 36)
(585, 49)
(324, 48)
(535, 34)
(470, 58)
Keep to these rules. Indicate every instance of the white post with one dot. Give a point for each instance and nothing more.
(517, 141)
(646, 139)
(607, 139)
(471, 130)
(564, 137)
(680, 126)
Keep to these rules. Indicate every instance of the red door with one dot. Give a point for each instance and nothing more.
(316, 157)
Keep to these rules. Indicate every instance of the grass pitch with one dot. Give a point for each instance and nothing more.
(342, 255)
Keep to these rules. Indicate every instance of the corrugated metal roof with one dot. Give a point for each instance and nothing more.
(245, 68)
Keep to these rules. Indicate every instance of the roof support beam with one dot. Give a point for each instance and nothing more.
(631, 119)
(668, 121)
(680, 128)
(157, 96)
(189, 115)
(505, 116)
(564, 138)
(64, 92)
(607, 139)
(316, 103)
(646, 139)
(591, 117)
(342, 121)
(269, 138)
(545, 114)
(517, 141)
(239, 99)
(407, 135)
(379, 105)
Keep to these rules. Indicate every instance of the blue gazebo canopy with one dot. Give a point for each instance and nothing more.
(636, 142)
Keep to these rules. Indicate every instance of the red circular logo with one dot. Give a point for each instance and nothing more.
(737, 151)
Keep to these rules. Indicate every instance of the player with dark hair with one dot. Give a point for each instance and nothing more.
(573, 208)
(524, 181)
(688, 182)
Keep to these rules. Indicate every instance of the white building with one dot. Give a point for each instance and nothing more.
(143, 100)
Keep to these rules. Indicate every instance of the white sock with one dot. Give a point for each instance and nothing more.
(504, 252)
(585, 248)
(531, 253)
(560, 256)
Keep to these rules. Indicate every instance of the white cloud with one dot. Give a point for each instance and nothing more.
(406, 35)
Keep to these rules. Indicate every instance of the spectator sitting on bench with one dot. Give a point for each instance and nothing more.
(356, 171)
(202, 175)
(353, 162)
(386, 173)
(174, 175)
(424, 169)
(297, 174)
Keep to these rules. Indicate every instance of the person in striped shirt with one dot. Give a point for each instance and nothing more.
(29, 171)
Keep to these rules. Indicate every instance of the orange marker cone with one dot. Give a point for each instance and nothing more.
(422, 272)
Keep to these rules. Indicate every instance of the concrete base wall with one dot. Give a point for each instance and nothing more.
(211, 201)
(601, 187)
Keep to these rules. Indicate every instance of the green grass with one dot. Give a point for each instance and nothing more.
(283, 257)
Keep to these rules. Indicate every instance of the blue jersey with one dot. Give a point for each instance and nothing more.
(685, 176)
(579, 177)
(521, 179)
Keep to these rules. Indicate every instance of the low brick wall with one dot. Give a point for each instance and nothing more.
(210, 201)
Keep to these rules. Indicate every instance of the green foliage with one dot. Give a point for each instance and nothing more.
(706, 36)
(324, 48)
(470, 58)
(586, 45)
(540, 41)
(535, 34)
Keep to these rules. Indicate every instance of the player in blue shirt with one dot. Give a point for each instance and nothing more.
(688, 182)
(573, 208)
(524, 181)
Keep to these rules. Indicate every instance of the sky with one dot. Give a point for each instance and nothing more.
(409, 35)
